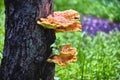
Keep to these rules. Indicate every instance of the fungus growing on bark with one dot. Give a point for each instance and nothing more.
(67, 55)
(62, 21)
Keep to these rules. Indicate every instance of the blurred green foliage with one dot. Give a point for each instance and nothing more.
(1, 3)
(98, 56)
(2, 17)
(101, 8)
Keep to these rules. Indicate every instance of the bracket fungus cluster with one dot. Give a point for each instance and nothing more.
(63, 21)
(67, 55)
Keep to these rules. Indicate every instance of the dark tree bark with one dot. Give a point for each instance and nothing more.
(27, 45)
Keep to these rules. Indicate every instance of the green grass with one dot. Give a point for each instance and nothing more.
(101, 8)
(98, 56)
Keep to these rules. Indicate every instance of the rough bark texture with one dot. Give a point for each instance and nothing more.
(27, 45)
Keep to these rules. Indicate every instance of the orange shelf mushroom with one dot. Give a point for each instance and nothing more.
(67, 55)
(62, 21)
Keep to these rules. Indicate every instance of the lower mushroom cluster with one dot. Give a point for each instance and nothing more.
(67, 55)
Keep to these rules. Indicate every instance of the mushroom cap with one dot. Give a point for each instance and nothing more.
(67, 55)
(62, 21)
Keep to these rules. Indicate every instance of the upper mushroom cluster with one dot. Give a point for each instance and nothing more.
(62, 21)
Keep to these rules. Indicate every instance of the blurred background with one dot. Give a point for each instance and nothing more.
(98, 45)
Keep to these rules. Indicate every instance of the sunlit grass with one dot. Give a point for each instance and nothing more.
(98, 56)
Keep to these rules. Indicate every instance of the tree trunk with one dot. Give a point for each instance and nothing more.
(27, 45)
